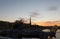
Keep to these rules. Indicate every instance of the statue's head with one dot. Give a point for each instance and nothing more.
(55, 25)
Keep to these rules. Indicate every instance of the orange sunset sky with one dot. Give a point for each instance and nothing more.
(48, 23)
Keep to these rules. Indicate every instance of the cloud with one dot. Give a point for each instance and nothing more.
(52, 8)
(53, 22)
(34, 14)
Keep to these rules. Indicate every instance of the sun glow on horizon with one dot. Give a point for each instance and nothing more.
(48, 23)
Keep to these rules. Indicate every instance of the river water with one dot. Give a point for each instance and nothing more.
(57, 36)
(46, 30)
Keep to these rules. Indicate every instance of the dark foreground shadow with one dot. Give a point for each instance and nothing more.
(19, 35)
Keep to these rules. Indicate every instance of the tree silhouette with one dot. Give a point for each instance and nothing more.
(19, 24)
